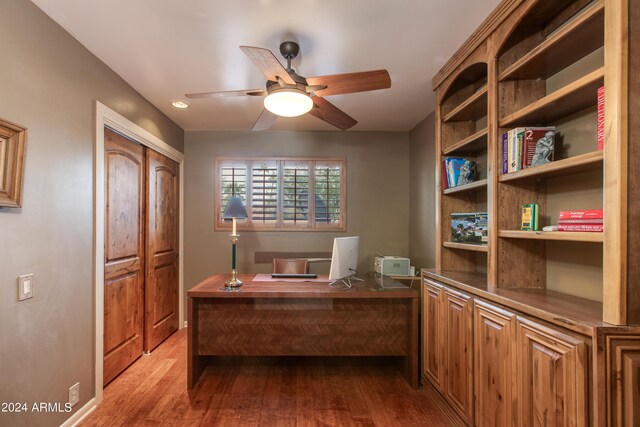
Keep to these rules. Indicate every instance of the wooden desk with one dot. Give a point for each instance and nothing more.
(377, 317)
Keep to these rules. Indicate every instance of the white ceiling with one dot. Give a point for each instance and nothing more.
(166, 48)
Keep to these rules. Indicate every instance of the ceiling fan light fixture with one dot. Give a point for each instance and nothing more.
(288, 102)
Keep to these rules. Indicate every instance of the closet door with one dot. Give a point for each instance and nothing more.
(162, 249)
(124, 253)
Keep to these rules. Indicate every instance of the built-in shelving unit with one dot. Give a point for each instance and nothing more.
(572, 165)
(471, 144)
(476, 185)
(534, 301)
(566, 236)
(465, 246)
(576, 96)
(548, 69)
(464, 133)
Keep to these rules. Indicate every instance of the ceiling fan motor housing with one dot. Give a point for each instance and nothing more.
(289, 50)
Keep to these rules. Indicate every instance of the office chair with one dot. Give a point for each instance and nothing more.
(290, 266)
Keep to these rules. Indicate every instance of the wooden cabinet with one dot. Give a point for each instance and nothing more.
(433, 334)
(493, 355)
(551, 376)
(458, 351)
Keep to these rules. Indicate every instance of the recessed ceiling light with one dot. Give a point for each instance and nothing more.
(180, 104)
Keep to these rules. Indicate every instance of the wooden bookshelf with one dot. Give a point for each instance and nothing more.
(576, 96)
(572, 42)
(539, 63)
(466, 246)
(473, 108)
(471, 144)
(567, 236)
(581, 163)
(480, 184)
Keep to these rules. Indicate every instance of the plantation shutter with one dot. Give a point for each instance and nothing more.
(295, 200)
(264, 192)
(233, 178)
(288, 193)
(328, 197)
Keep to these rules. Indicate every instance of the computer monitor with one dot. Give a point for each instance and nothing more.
(344, 259)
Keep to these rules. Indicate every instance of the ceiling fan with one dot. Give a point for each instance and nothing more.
(289, 94)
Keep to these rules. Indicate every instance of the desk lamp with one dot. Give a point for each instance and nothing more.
(234, 210)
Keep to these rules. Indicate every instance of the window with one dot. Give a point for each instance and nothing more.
(303, 194)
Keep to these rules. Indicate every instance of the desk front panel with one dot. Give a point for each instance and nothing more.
(304, 326)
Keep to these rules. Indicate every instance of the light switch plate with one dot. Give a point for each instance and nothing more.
(25, 287)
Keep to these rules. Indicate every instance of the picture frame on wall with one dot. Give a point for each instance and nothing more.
(13, 140)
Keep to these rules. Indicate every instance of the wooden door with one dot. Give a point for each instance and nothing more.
(551, 370)
(162, 249)
(493, 338)
(433, 334)
(458, 352)
(124, 253)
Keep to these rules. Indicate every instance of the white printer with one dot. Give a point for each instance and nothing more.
(392, 265)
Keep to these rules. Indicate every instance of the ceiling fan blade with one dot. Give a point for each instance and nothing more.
(268, 64)
(266, 119)
(331, 114)
(226, 93)
(351, 82)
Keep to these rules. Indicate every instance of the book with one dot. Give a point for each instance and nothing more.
(529, 217)
(601, 118)
(519, 143)
(582, 214)
(581, 221)
(530, 137)
(505, 153)
(469, 227)
(581, 227)
(513, 150)
(460, 171)
(445, 176)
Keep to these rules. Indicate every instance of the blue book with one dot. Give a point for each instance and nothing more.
(505, 153)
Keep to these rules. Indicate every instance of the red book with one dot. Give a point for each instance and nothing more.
(581, 221)
(585, 214)
(581, 227)
(444, 179)
(601, 118)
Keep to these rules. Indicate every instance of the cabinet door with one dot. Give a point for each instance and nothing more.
(623, 384)
(493, 338)
(458, 350)
(433, 334)
(551, 370)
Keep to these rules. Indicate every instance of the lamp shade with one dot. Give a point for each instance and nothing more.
(288, 102)
(234, 209)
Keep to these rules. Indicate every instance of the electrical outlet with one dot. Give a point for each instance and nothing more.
(25, 287)
(74, 394)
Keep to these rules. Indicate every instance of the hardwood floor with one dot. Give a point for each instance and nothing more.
(263, 391)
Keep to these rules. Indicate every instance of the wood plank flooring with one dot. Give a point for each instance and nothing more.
(262, 391)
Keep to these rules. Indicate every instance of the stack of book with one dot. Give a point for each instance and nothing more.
(587, 220)
(519, 147)
(457, 171)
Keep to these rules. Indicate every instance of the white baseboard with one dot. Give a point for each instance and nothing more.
(185, 324)
(80, 414)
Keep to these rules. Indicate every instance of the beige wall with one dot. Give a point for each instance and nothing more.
(48, 83)
(422, 213)
(377, 197)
